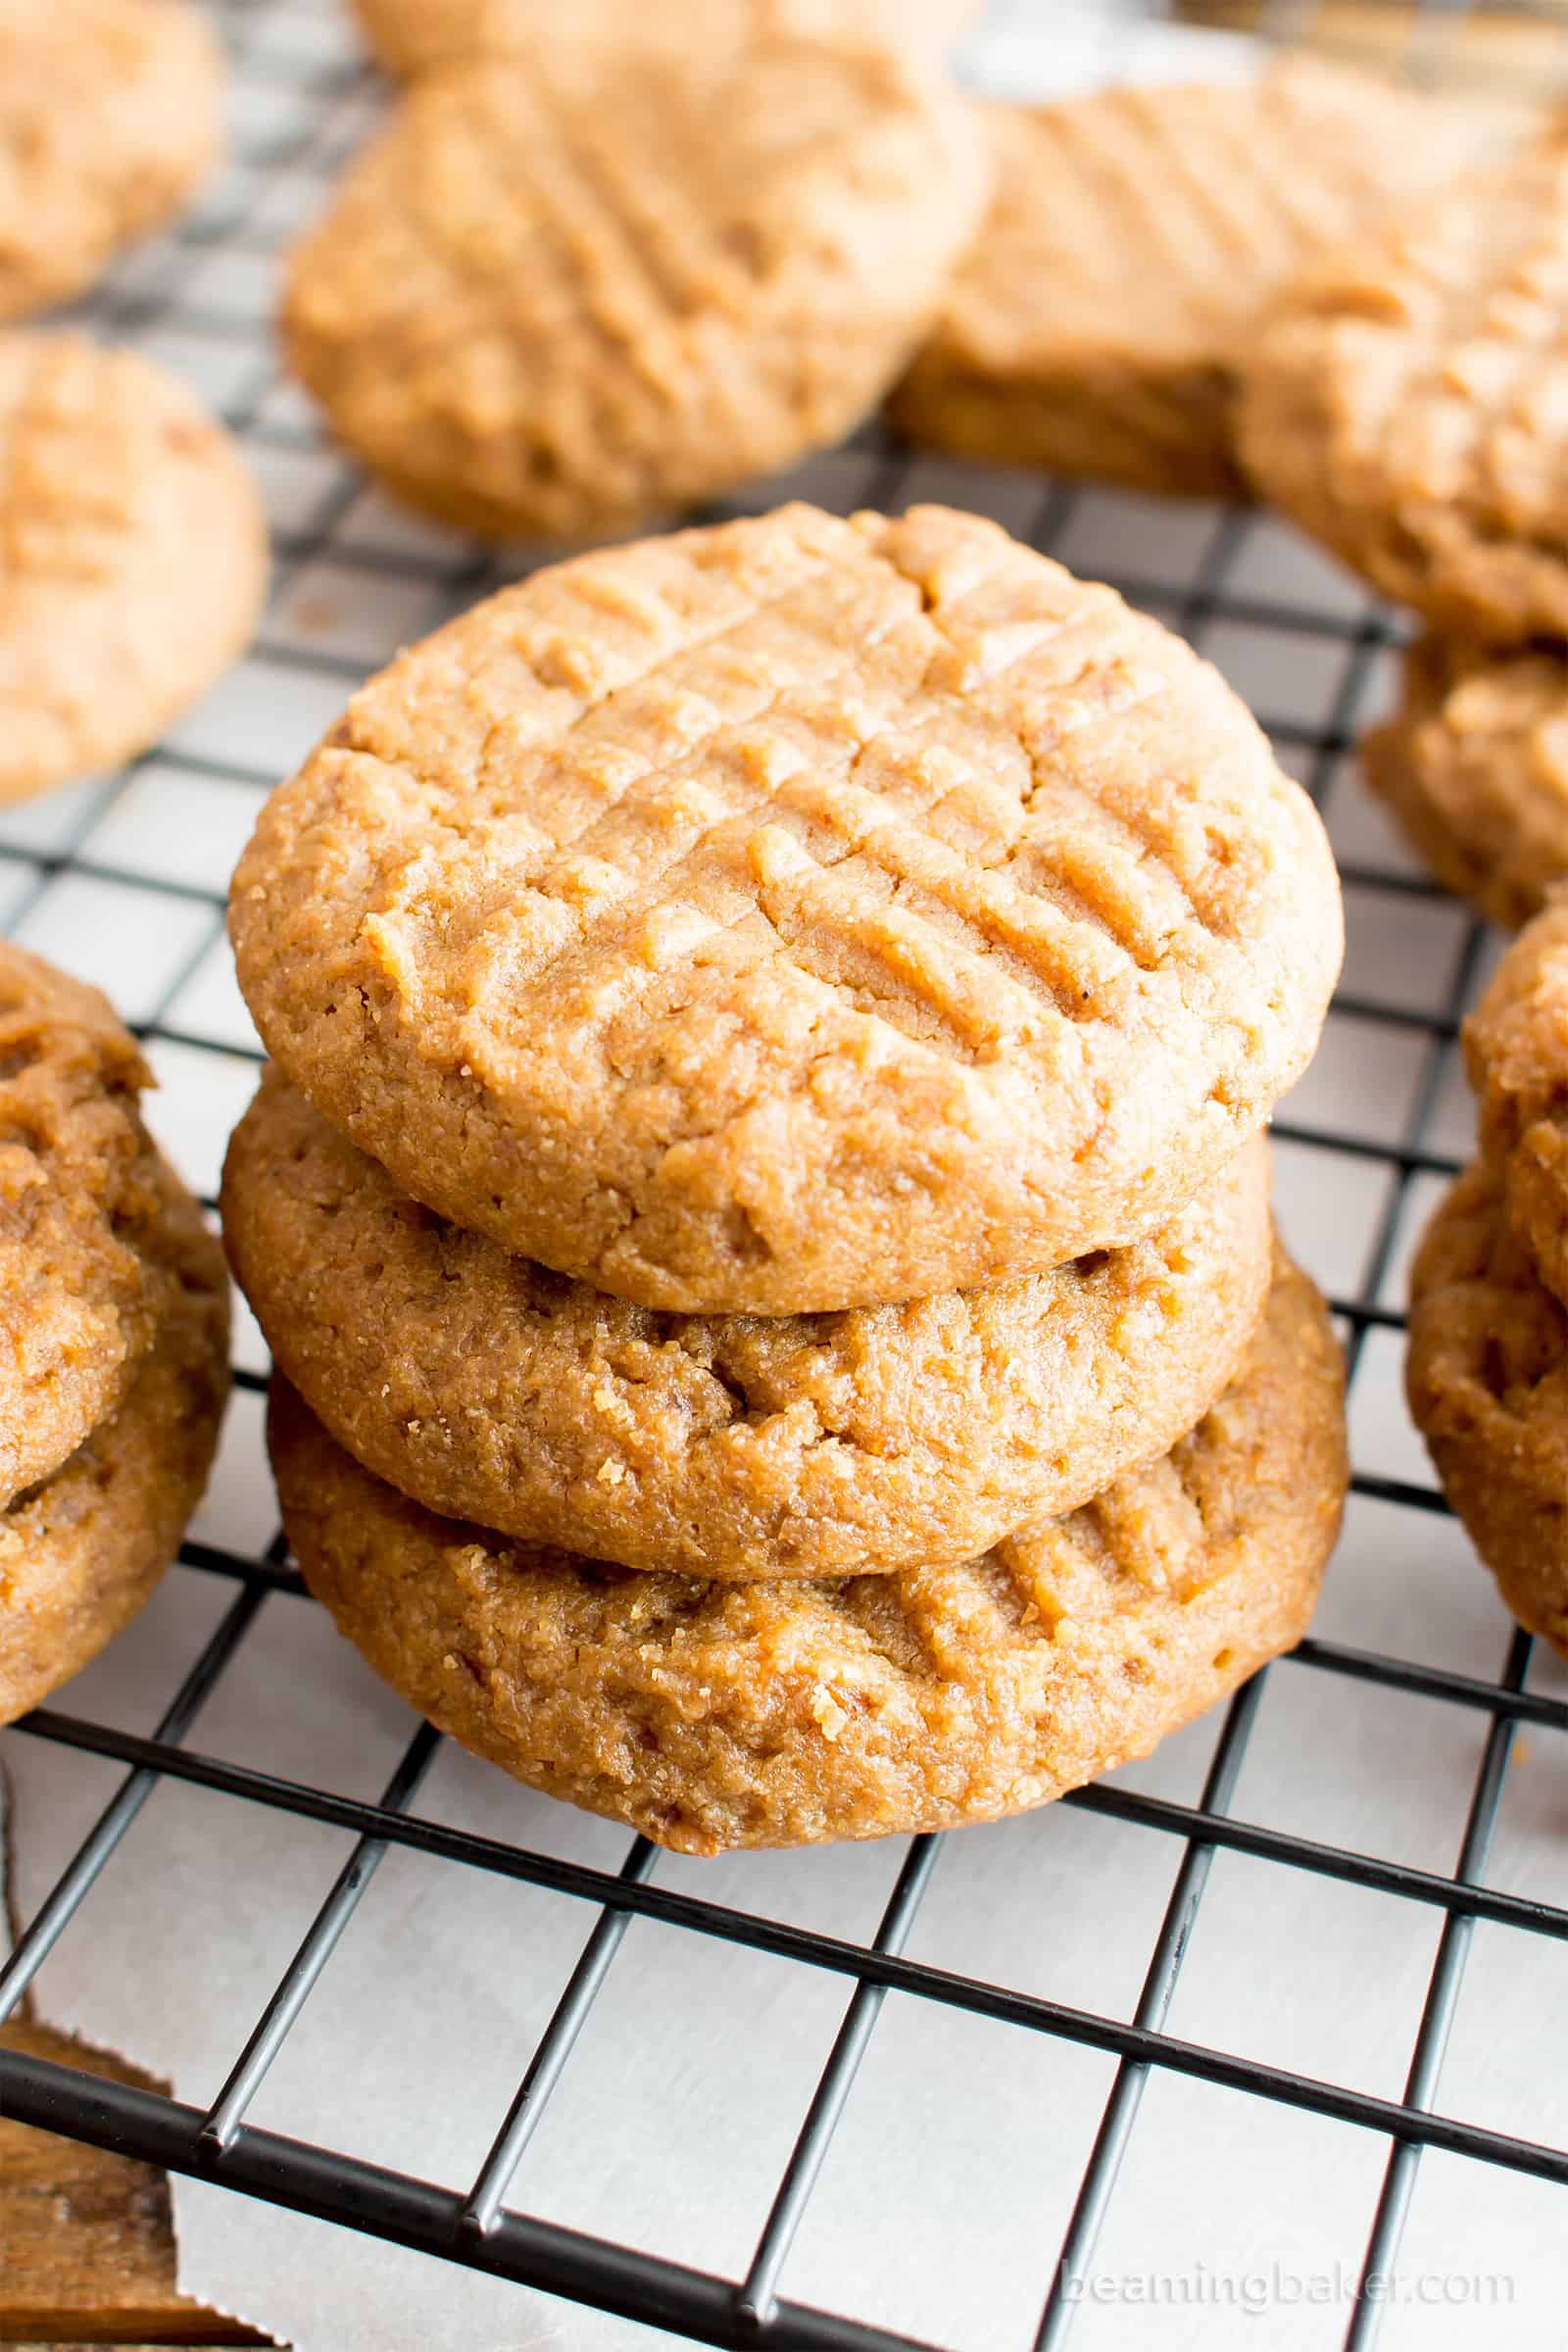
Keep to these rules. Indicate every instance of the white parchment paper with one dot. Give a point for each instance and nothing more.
(951, 2180)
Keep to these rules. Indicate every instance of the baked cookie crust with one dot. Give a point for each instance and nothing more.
(1404, 402)
(718, 1716)
(794, 914)
(132, 557)
(1474, 765)
(562, 293)
(83, 1290)
(730, 1447)
(81, 1553)
(1516, 1051)
(111, 117)
(415, 36)
(1487, 1376)
(1134, 239)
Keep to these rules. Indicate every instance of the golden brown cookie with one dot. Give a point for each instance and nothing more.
(1474, 765)
(713, 1716)
(81, 1200)
(795, 914)
(560, 293)
(81, 1553)
(132, 557)
(1134, 241)
(1516, 1051)
(1405, 404)
(411, 36)
(734, 1447)
(1487, 1382)
(111, 116)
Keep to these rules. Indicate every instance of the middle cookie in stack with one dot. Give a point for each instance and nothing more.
(857, 958)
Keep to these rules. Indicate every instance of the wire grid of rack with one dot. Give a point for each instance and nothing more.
(1231, 581)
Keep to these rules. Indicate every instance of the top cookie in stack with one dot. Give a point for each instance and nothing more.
(794, 915)
(821, 983)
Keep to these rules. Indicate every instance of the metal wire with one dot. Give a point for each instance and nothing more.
(472, 2223)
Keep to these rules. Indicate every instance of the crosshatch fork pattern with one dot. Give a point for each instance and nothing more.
(353, 578)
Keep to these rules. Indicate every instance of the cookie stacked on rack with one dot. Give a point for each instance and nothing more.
(1407, 406)
(772, 1031)
(1488, 1366)
(114, 1308)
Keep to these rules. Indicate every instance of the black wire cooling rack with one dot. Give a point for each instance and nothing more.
(200, 298)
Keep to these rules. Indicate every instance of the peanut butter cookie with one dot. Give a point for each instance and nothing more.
(1516, 1050)
(1475, 768)
(411, 36)
(81, 1199)
(795, 914)
(81, 1553)
(734, 1447)
(132, 557)
(1405, 404)
(111, 115)
(1487, 1382)
(1134, 241)
(713, 1716)
(562, 292)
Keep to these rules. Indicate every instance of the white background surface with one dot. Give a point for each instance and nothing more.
(950, 2185)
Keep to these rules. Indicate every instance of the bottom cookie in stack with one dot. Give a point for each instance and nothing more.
(715, 1715)
(114, 1304)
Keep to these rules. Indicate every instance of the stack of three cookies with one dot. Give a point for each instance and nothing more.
(759, 1203)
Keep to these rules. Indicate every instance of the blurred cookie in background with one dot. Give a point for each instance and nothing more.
(135, 557)
(111, 117)
(1134, 241)
(411, 36)
(562, 294)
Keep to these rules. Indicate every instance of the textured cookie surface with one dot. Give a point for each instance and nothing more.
(725, 1447)
(1474, 764)
(794, 914)
(1516, 1050)
(558, 293)
(132, 557)
(713, 1716)
(81, 1553)
(411, 36)
(1134, 241)
(109, 118)
(1487, 1382)
(1406, 401)
(80, 1195)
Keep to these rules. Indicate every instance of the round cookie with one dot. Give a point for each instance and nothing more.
(1516, 1051)
(563, 292)
(715, 1716)
(81, 1196)
(412, 36)
(1487, 1377)
(794, 914)
(81, 1553)
(111, 116)
(1134, 241)
(1406, 401)
(1475, 768)
(734, 1447)
(132, 557)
